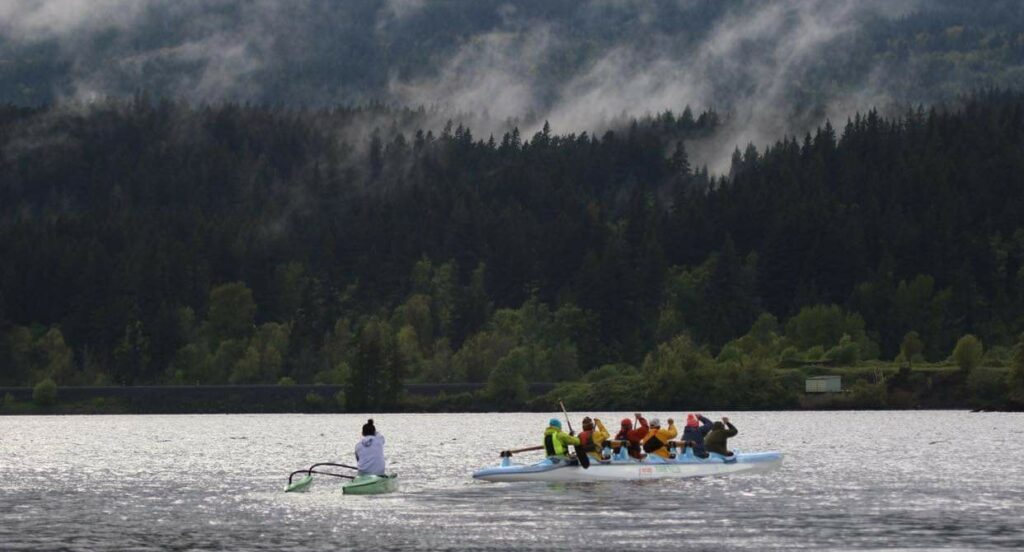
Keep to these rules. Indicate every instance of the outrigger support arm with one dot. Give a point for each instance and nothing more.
(312, 469)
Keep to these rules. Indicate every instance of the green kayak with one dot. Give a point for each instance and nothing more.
(372, 484)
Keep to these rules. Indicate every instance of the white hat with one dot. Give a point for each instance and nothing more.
(655, 422)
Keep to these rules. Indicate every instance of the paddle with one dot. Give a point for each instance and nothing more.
(516, 451)
(581, 455)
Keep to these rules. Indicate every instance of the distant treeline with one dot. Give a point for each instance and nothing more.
(153, 243)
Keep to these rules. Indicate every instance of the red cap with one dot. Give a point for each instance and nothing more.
(626, 422)
(691, 421)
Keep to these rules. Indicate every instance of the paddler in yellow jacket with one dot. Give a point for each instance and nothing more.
(556, 441)
(591, 439)
(657, 438)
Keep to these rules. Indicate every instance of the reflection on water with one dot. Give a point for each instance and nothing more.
(851, 480)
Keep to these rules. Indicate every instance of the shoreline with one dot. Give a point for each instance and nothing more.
(329, 399)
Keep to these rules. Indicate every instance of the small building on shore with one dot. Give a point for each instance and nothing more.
(824, 384)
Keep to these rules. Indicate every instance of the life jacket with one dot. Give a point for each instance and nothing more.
(585, 442)
(653, 444)
(632, 446)
(553, 446)
(549, 445)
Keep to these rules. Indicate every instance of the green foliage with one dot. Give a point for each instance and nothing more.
(416, 315)
(506, 387)
(988, 384)
(131, 357)
(824, 326)
(1015, 376)
(911, 347)
(263, 359)
(232, 312)
(868, 395)
(337, 375)
(846, 353)
(286, 381)
(315, 401)
(18, 348)
(714, 301)
(377, 369)
(44, 394)
(814, 354)
(481, 353)
(675, 374)
(610, 371)
(191, 365)
(54, 357)
(968, 352)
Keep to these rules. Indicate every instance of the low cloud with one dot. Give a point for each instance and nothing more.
(580, 68)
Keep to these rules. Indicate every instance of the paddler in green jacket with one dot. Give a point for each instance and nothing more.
(556, 441)
(718, 439)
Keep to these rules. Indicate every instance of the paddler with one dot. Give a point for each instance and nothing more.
(656, 440)
(591, 439)
(632, 437)
(697, 426)
(556, 441)
(718, 439)
(370, 451)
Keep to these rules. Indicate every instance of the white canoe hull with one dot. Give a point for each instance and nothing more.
(631, 470)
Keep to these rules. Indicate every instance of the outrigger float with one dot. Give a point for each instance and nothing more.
(620, 467)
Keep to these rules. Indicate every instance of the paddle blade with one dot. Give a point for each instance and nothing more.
(583, 457)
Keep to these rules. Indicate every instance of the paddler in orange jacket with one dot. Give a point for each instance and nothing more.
(656, 441)
(591, 439)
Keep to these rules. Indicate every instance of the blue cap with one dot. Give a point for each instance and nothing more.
(555, 422)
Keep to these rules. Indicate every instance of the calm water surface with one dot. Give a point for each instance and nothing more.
(851, 480)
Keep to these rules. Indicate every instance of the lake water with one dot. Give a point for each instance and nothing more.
(851, 480)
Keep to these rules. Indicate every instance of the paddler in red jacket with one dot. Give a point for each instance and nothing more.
(591, 439)
(633, 436)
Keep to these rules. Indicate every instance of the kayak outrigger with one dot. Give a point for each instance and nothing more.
(623, 468)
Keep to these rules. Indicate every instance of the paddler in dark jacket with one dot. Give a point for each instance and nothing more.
(556, 441)
(697, 426)
(633, 436)
(718, 439)
(591, 439)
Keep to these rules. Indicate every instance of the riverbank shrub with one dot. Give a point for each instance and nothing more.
(968, 353)
(44, 394)
(987, 385)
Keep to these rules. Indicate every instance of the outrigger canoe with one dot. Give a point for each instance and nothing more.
(623, 468)
(357, 484)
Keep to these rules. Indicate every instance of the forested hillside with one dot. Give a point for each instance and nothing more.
(155, 242)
